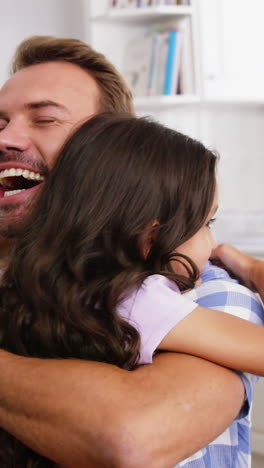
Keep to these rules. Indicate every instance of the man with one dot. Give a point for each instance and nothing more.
(85, 414)
(250, 270)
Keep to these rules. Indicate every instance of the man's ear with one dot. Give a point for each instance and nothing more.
(148, 237)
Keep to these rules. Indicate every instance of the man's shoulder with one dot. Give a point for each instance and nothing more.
(219, 291)
(212, 272)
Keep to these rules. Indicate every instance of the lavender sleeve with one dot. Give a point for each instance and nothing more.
(154, 309)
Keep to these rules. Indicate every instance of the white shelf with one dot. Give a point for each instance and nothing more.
(142, 14)
(160, 102)
(234, 101)
(150, 102)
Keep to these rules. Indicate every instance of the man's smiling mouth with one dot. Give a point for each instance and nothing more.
(15, 180)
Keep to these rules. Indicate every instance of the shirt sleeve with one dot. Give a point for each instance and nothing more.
(219, 291)
(154, 309)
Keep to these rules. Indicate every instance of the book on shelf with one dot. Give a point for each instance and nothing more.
(187, 81)
(153, 63)
(158, 63)
(183, 2)
(172, 2)
(146, 3)
(173, 62)
(137, 63)
(123, 3)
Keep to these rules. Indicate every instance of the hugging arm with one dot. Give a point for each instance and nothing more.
(94, 415)
(231, 341)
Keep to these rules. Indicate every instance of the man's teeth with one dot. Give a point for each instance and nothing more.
(12, 192)
(21, 172)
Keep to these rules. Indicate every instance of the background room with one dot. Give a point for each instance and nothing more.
(195, 65)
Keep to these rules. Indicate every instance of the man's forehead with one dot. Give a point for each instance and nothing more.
(17, 99)
(61, 83)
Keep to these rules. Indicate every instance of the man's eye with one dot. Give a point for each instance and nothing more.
(45, 121)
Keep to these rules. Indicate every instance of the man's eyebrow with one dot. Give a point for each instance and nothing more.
(45, 103)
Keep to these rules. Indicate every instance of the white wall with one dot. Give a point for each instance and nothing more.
(232, 47)
(230, 28)
(236, 132)
(22, 18)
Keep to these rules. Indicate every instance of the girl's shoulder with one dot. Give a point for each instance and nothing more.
(159, 282)
(154, 309)
(158, 296)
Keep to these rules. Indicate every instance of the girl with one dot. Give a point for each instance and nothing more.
(121, 228)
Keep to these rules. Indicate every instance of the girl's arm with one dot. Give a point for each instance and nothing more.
(219, 337)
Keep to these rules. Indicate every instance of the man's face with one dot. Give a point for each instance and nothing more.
(39, 107)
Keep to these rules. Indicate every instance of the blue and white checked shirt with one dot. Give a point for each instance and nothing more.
(232, 449)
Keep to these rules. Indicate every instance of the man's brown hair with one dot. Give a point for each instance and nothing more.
(115, 94)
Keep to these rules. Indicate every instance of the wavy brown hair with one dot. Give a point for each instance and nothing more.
(82, 247)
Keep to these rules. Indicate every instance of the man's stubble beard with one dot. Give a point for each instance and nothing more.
(12, 229)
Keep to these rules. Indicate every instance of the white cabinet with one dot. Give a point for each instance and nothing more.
(111, 30)
(227, 38)
(232, 37)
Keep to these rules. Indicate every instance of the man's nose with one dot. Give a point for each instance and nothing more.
(14, 137)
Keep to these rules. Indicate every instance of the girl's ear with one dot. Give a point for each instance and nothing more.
(149, 236)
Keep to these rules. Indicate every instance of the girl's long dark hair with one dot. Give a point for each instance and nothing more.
(119, 183)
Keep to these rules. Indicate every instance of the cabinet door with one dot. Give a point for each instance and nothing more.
(232, 37)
